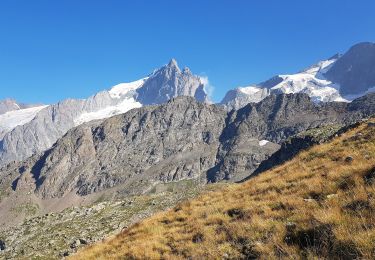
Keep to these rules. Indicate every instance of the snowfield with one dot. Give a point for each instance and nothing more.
(124, 91)
(11, 119)
(124, 106)
(312, 82)
(250, 90)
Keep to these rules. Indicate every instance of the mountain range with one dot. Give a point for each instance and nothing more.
(27, 130)
(140, 137)
(226, 141)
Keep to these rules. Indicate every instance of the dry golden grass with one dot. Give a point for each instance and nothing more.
(318, 205)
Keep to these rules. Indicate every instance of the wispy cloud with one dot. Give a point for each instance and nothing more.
(208, 88)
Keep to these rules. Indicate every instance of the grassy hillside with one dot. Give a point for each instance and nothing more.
(318, 205)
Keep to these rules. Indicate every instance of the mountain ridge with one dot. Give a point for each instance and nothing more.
(44, 127)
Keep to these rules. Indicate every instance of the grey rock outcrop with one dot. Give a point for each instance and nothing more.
(182, 139)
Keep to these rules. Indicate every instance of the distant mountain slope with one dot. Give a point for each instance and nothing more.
(13, 114)
(17, 116)
(8, 105)
(320, 205)
(237, 98)
(37, 130)
(340, 78)
(355, 70)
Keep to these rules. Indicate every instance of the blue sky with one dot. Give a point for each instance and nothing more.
(52, 50)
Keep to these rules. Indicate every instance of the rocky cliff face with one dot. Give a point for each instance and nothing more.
(165, 143)
(43, 129)
(355, 70)
(182, 139)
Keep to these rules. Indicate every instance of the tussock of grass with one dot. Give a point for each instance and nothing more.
(318, 205)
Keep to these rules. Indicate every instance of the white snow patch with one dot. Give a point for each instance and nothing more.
(263, 142)
(250, 90)
(123, 88)
(11, 119)
(122, 107)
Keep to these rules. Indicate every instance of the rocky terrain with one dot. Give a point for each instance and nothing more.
(59, 234)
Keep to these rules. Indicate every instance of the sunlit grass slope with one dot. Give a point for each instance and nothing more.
(318, 205)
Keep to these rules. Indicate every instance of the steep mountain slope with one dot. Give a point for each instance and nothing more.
(340, 78)
(318, 205)
(146, 146)
(355, 70)
(43, 127)
(182, 139)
